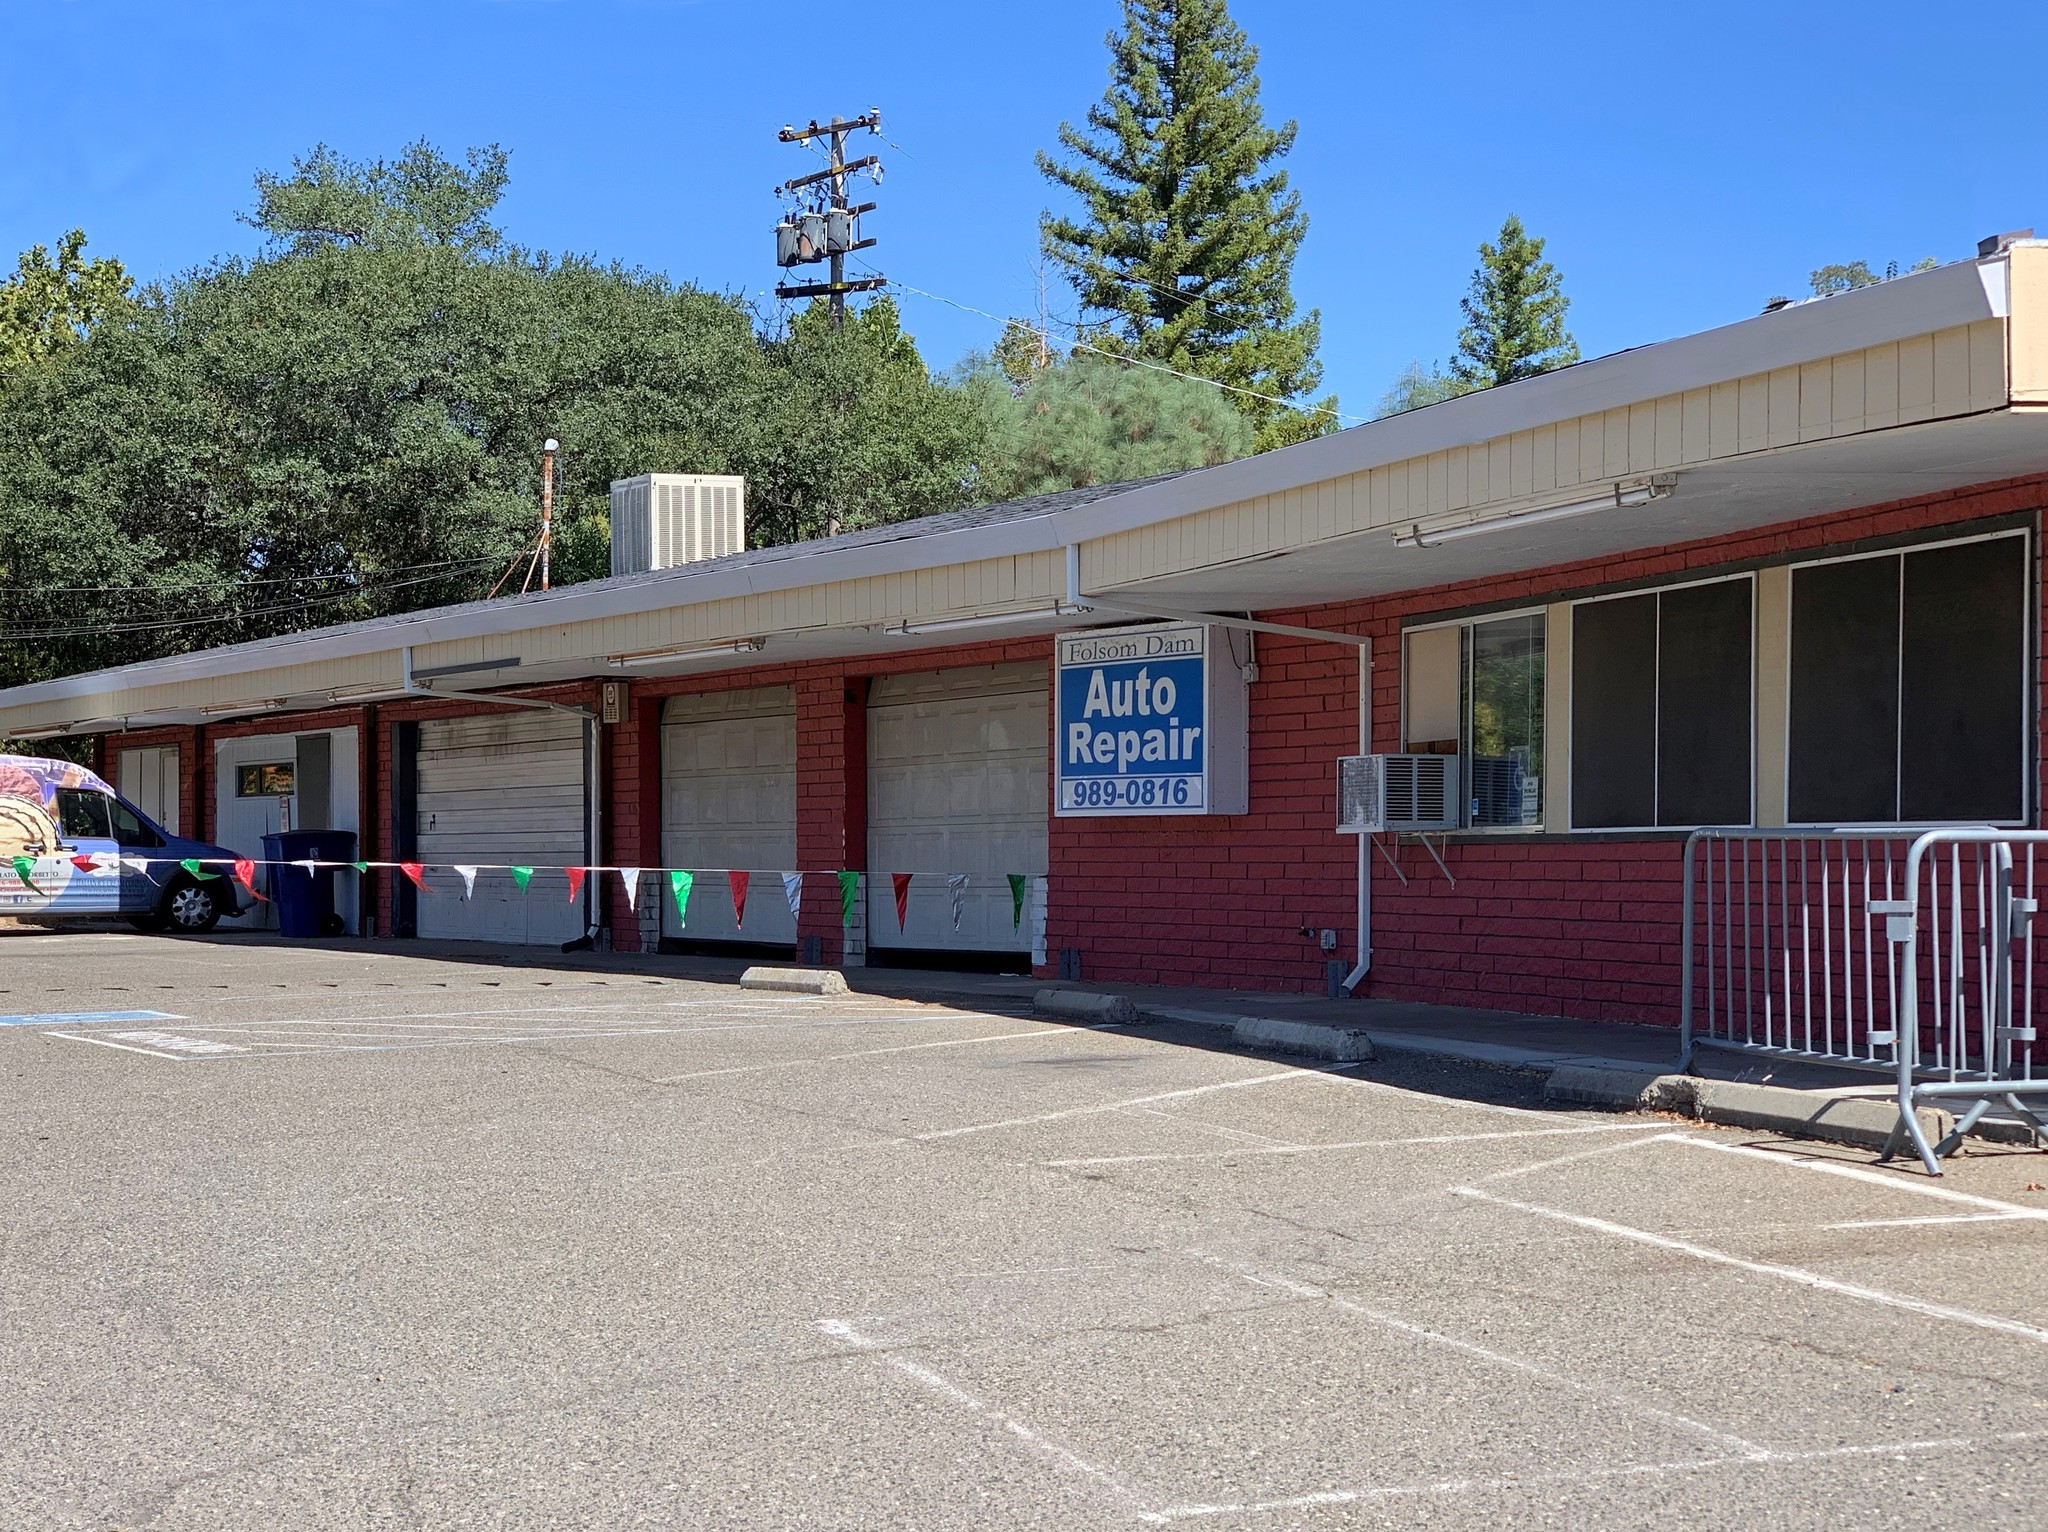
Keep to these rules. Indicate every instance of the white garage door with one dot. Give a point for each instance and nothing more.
(728, 800)
(504, 788)
(957, 783)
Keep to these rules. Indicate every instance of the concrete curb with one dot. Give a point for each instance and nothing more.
(796, 981)
(1086, 1005)
(1620, 1089)
(1342, 1045)
(1842, 1117)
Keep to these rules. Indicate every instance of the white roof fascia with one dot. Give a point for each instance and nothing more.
(1922, 303)
(1963, 293)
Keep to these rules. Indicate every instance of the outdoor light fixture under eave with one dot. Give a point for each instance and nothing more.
(909, 629)
(688, 652)
(1621, 497)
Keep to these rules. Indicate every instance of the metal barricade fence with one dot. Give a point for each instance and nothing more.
(1907, 952)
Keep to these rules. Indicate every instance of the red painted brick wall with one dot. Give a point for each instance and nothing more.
(1557, 925)
(1552, 924)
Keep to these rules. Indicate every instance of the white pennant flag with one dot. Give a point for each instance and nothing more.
(468, 876)
(309, 864)
(956, 889)
(136, 864)
(793, 891)
(630, 876)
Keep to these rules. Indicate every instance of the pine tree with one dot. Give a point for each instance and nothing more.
(1514, 316)
(1186, 239)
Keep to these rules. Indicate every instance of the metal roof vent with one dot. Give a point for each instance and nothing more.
(1997, 244)
(660, 520)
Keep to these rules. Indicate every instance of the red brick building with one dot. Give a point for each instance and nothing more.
(1784, 573)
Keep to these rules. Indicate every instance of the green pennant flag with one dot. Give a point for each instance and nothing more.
(849, 890)
(362, 866)
(522, 876)
(679, 885)
(1018, 884)
(23, 866)
(197, 868)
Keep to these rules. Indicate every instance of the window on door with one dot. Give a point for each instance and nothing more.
(1909, 686)
(1661, 707)
(84, 814)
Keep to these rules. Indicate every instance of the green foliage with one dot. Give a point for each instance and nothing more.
(419, 199)
(51, 304)
(1187, 234)
(1420, 385)
(350, 426)
(1847, 276)
(856, 432)
(1514, 315)
(1087, 420)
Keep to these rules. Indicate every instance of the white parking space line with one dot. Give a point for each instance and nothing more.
(1044, 1034)
(838, 1329)
(1626, 1402)
(1358, 1143)
(1894, 1182)
(1524, 1481)
(1119, 1106)
(1794, 1274)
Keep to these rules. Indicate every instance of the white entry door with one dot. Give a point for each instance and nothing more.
(957, 784)
(506, 787)
(728, 801)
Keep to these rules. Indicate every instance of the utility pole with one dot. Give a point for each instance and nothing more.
(827, 229)
(547, 509)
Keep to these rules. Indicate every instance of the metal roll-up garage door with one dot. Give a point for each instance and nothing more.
(506, 788)
(957, 783)
(728, 801)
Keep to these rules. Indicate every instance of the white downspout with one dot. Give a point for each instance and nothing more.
(1357, 975)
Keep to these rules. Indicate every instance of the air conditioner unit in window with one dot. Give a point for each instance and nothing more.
(1397, 793)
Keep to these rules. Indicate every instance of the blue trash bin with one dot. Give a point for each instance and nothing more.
(305, 896)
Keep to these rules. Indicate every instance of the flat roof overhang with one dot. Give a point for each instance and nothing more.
(1729, 495)
(1732, 495)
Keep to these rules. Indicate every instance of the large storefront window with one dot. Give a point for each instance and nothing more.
(1476, 690)
(1908, 687)
(1661, 708)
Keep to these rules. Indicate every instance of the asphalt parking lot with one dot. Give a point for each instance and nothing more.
(333, 1238)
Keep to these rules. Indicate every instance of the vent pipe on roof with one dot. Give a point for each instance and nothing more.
(1997, 244)
(661, 520)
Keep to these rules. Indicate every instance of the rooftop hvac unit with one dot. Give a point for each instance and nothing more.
(1397, 793)
(661, 520)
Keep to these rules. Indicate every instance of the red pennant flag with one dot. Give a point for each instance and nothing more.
(245, 874)
(902, 881)
(576, 877)
(738, 880)
(418, 873)
(85, 863)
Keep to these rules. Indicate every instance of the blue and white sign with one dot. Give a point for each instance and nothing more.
(1139, 720)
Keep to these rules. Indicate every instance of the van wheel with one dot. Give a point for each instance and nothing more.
(191, 908)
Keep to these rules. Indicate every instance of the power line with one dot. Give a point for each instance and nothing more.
(230, 614)
(239, 584)
(1132, 361)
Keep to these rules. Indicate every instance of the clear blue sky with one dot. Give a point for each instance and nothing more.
(1684, 161)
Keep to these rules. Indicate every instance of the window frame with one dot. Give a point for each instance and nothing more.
(1571, 744)
(2031, 712)
(1541, 611)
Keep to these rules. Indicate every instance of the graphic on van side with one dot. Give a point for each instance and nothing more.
(29, 828)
